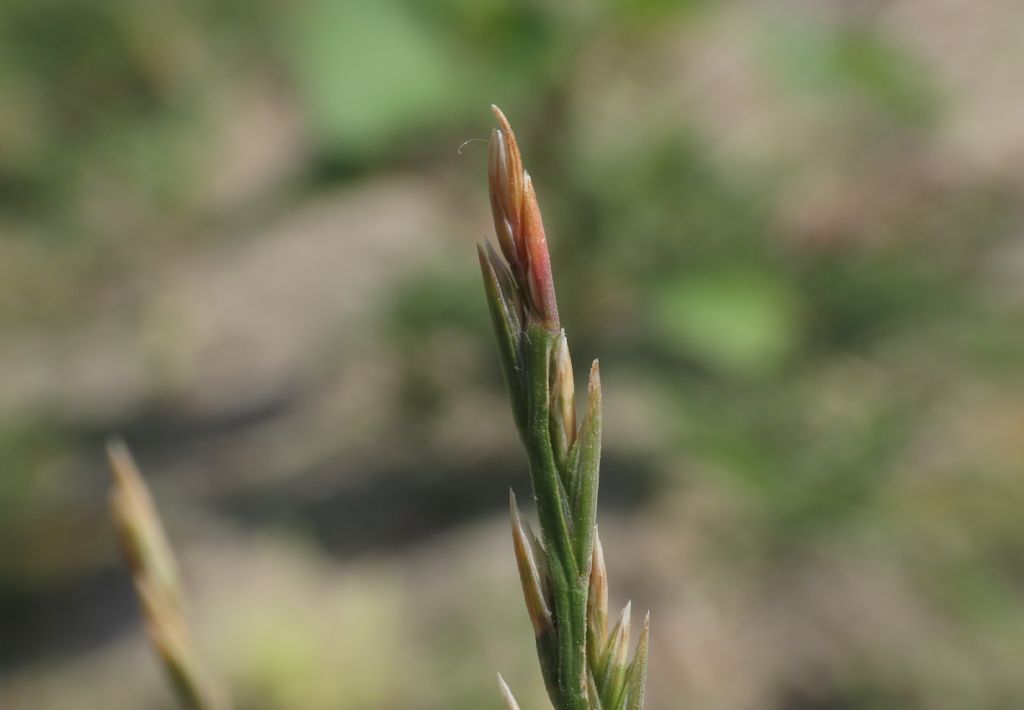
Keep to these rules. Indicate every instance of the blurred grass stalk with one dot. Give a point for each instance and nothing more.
(154, 573)
(563, 574)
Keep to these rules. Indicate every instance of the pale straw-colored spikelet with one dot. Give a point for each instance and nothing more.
(154, 571)
(506, 694)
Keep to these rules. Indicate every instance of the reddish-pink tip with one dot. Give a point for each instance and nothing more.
(518, 223)
(541, 283)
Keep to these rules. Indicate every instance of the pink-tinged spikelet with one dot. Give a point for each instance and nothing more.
(518, 225)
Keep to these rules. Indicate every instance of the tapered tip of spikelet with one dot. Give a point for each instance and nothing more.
(506, 694)
(119, 457)
(137, 524)
(642, 641)
(618, 643)
(626, 620)
(530, 574)
(505, 178)
(636, 680)
(518, 224)
(563, 400)
(154, 574)
(597, 599)
(611, 669)
(129, 491)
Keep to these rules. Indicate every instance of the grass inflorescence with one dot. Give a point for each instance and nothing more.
(565, 583)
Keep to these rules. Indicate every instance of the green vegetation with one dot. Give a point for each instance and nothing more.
(240, 235)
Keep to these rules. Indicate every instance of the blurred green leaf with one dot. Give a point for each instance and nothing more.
(26, 448)
(856, 61)
(741, 322)
(370, 72)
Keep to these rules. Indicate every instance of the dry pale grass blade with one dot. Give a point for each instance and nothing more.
(154, 571)
(506, 694)
(139, 531)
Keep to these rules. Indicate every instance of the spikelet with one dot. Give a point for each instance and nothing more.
(563, 575)
(154, 571)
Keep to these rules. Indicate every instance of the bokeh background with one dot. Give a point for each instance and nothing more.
(241, 235)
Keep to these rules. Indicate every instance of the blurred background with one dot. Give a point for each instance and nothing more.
(241, 235)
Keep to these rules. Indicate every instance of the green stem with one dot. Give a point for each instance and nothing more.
(570, 587)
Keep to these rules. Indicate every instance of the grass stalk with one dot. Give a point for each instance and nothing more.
(154, 571)
(563, 574)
